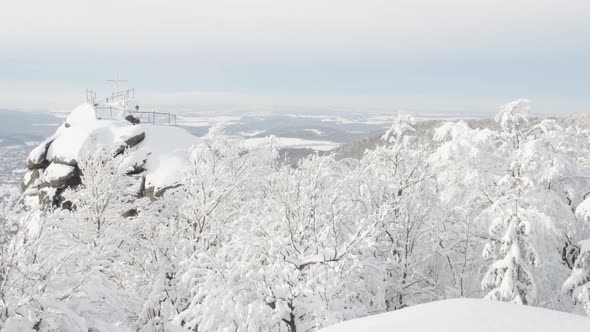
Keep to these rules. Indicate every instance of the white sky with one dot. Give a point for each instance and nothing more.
(422, 54)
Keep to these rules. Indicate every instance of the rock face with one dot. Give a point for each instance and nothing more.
(30, 178)
(156, 155)
(132, 138)
(57, 175)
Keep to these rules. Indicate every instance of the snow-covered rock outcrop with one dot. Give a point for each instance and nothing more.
(466, 315)
(159, 154)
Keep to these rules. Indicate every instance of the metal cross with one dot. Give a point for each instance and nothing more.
(116, 81)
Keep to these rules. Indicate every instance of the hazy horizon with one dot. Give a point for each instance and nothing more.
(363, 55)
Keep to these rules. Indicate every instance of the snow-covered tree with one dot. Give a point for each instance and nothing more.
(306, 236)
(203, 220)
(527, 215)
(72, 268)
(465, 174)
(396, 174)
(509, 277)
(578, 284)
(105, 193)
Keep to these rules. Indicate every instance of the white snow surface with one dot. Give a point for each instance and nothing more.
(584, 245)
(290, 142)
(252, 133)
(466, 315)
(81, 115)
(84, 133)
(583, 210)
(315, 131)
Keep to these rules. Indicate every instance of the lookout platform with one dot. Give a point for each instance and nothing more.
(123, 105)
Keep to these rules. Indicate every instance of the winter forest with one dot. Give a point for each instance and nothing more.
(495, 210)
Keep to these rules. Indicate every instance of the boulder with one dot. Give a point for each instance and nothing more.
(134, 140)
(130, 213)
(56, 175)
(129, 140)
(133, 119)
(37, 157)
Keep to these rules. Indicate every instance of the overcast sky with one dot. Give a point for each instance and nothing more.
(415, 55)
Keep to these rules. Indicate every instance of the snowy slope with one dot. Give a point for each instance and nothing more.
(165, 150)
(466, 315)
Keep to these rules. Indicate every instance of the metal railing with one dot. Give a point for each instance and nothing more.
(116, 106)
(90, 97)
(107, 112)
(153, 117)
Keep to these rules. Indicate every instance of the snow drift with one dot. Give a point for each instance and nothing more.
(466, 315)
